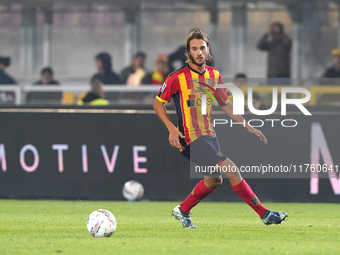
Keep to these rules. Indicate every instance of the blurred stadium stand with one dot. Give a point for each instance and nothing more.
(66, 35)
(63, 34)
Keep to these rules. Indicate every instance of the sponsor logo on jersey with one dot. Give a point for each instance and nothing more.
(163, 87)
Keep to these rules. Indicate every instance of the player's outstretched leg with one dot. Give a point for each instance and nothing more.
(241, 187)
(200, 191)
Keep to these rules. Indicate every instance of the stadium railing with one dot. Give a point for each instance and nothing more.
(70, 95)
(10, 95)
(143, 95)
(319, 94)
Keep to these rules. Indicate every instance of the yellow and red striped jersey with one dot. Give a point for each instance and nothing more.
(186, 86)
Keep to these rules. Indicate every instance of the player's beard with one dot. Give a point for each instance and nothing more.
(192, 60)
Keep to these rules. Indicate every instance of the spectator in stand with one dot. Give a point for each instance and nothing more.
(133, 74)
(177, 56)
(257, 103)
(157, 76)
(5, 79)
(160, 72)
(331, 76)
(105, 73)
(95, 96)
(46, 77)
(45, 97)
(240, 80)
(278, 44)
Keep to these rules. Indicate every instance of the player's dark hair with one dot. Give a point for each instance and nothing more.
(197, 34)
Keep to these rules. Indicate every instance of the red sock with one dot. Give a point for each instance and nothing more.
(198, 193)
(245, 192)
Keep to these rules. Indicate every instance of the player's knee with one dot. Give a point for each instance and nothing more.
(219, 181)
(213, 183)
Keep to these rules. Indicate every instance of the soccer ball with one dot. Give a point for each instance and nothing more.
(101, 223)
(133, 190)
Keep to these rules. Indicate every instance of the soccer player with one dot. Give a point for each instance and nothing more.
(195, 136)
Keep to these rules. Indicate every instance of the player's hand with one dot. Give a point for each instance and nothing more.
(257, 133)
(174, 138)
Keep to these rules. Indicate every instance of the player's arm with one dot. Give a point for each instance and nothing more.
(174, 133)
(228, 109)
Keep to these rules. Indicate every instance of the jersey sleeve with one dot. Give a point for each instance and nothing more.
(168, 89)
(223, 93)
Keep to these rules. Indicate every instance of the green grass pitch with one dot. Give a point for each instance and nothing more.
(59, 227)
